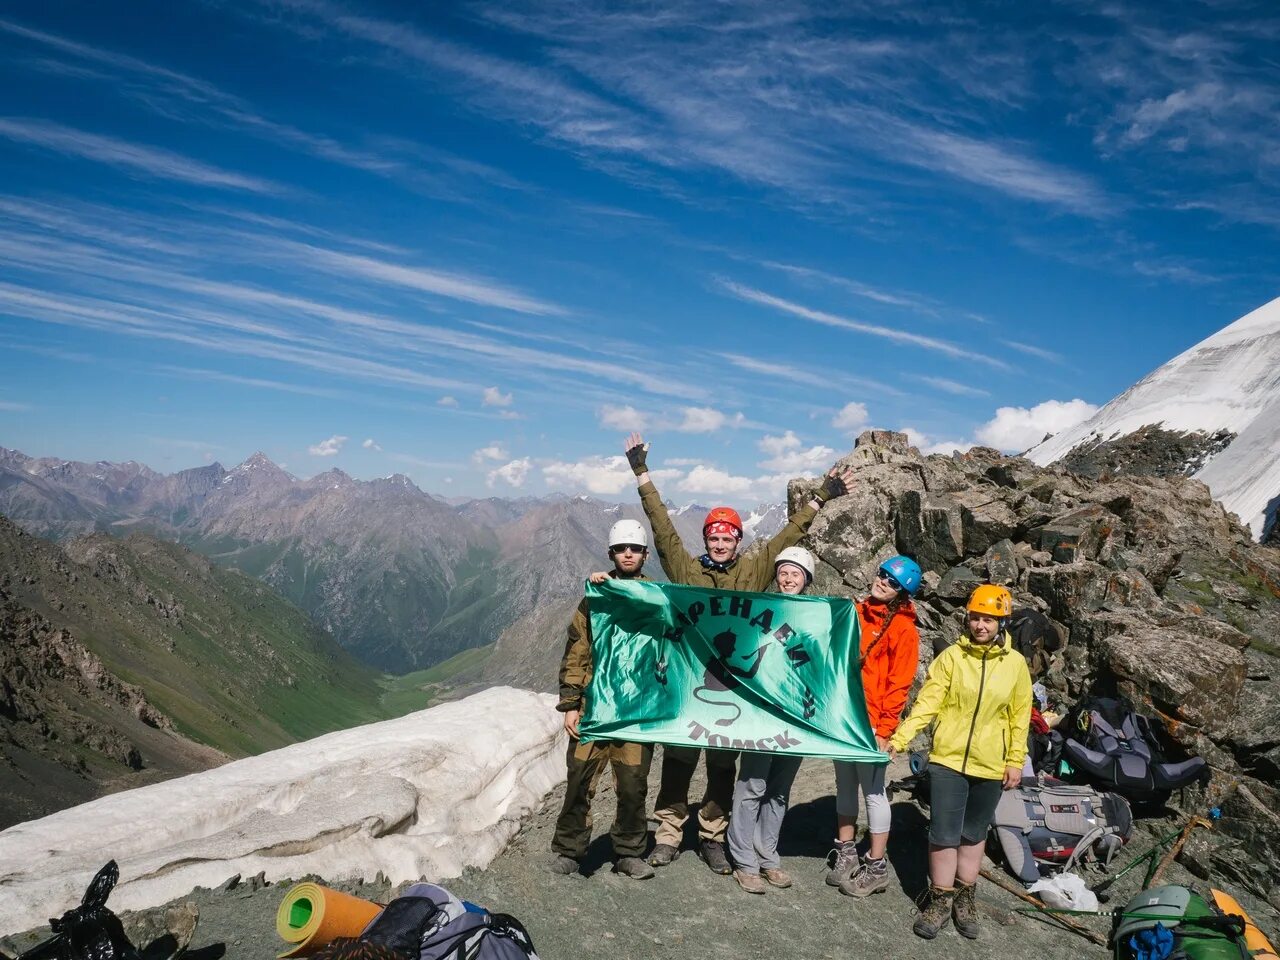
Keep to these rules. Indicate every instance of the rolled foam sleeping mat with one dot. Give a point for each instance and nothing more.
(1254, 938)
(311, 916)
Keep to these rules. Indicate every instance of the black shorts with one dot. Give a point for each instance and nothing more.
(961, 807)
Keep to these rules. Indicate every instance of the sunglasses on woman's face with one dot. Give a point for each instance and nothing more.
(889, 580)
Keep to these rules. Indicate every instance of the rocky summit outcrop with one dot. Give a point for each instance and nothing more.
(1161, 594)
(1150, 451)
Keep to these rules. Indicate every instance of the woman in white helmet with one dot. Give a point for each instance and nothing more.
(763, 787)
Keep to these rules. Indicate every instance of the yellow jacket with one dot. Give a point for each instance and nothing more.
(978, 699)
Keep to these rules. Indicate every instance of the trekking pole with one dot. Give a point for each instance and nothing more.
(1176, 849)
(1148, 856)
(1044, 908)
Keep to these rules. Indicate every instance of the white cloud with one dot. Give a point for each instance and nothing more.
(447, 402)
(952, 386)
(493, 397)
(622, 418)
(603, 475)
(494, 452)
(851, 418)
(927, 445)
(706, 420)
(1017, 428)
(328, 448)
(788, 455)
(371, 444)
(513, 474)
(704, 479)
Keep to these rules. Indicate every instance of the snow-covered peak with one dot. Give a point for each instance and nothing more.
(1228, 381)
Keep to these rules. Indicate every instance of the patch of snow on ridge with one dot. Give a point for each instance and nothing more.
(1228, 381)
(427, 794)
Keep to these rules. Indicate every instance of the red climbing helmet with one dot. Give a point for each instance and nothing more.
(723, 515)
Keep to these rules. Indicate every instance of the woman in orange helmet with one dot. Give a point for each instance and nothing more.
(977, 698)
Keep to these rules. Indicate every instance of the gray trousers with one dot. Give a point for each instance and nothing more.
(759, 803)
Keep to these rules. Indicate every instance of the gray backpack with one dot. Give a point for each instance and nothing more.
(1055, 825)
(427, 922)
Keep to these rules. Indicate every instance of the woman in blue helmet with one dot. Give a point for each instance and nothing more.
(890, 651)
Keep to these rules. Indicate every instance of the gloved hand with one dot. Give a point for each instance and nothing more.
(833, 485)
(635, 457)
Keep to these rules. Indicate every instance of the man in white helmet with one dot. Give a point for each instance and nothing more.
(628, 548)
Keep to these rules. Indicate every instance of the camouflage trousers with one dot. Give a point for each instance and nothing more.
(586, 762)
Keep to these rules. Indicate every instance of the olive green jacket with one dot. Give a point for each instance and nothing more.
(575, 666)
(752, 573)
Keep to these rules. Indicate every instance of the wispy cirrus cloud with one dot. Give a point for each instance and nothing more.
(752, 295)
(132, 157)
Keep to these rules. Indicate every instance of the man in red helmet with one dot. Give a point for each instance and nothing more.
(721, 568)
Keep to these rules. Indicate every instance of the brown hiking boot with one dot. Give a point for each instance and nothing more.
(872, 877)
(750, 882)
(845, 862)
(964, 910)
(712, 851)
(563, 865)
(935, 911)
(776, 876)
(662, 854)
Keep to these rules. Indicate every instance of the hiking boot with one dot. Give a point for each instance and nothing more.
(777, 877)
(935, 912)
(871, 877)
(563, 865)
(964, 910)
(633, 867)
(662, 854)
(750, 882)
(712, 852)
(846, 861)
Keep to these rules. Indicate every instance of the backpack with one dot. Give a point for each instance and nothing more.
(428, 922)
(1055, 825)
(1116, 748)
(1190, 927)
(1035, 637)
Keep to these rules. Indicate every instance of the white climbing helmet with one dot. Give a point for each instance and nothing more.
(628, 531)
(801, 557)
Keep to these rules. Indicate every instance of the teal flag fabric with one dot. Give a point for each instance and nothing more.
(727, 670)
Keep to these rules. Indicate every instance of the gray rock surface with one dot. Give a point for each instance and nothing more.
(1162, 595)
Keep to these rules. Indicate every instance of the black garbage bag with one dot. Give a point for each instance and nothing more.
(89, 931)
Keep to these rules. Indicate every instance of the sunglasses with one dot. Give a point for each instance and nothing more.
(626, 548)
(891, 581)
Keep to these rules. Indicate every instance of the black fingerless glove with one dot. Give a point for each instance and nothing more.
(831, 488)
(635, 457)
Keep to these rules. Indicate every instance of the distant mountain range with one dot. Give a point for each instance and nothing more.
(1212, 412)
(402, 579)
(129, 661)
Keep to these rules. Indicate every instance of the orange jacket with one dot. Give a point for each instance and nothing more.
(888, 663)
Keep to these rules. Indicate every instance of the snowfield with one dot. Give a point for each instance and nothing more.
(425, 795)
(1228, 381)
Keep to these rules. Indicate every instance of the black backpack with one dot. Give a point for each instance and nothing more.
(1035, 637)
(1114, 746)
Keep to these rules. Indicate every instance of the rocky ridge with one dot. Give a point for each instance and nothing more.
(1162, 595)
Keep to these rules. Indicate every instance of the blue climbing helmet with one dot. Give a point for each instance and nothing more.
(905, 571)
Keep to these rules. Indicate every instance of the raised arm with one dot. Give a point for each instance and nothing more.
(675, 559)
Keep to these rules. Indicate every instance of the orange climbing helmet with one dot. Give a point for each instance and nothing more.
(990, 600)
(719, 519)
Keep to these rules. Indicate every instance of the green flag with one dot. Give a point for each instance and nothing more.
(725, 669)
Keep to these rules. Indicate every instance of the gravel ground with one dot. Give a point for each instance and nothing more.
(686, 911)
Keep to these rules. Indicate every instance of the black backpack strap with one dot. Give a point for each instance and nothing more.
(505, 925)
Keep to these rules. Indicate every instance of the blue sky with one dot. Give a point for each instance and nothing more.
(476, 243)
